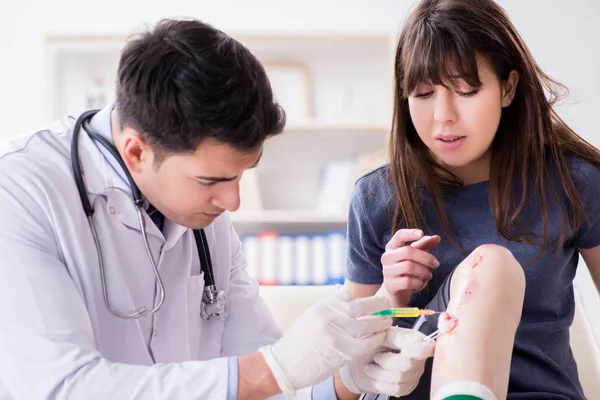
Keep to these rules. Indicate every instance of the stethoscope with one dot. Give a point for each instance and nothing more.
(214, 302)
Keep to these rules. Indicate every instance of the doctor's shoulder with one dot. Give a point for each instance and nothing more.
(37, 160)
(54, 137)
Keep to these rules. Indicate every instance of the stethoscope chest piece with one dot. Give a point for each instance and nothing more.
(214, 303)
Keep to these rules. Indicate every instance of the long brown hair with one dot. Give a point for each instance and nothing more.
(442, 39)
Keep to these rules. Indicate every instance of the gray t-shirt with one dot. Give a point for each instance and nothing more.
(543, 366)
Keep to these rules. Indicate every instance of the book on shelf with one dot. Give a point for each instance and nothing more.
(295, 259)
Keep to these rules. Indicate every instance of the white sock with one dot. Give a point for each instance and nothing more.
(467, 388)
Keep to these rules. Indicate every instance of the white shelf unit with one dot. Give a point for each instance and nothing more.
(72, 64)
(337, 91)
(285, 217)
(349, 86)
(294, 221)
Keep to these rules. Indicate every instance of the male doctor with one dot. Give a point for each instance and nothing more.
(83, 315)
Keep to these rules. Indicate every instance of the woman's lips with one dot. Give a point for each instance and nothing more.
(449, 142)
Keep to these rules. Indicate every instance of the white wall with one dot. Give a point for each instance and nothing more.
(563, 35)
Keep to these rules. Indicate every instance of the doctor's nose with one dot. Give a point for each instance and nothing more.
(229, 198)
(445, 110)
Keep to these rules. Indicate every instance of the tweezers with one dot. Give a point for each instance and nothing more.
(432, 336)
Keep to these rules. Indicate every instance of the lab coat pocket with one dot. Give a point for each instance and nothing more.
(205, 336)
(195, 287)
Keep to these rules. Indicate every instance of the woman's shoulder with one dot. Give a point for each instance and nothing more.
(582, 171)
(374, 186)
(373, 200)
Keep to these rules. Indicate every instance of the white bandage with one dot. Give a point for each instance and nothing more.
(467, 388)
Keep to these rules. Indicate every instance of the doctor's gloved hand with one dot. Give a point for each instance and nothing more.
(324, 338)
(393, 369)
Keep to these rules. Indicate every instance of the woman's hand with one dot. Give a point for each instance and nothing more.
(407, 264)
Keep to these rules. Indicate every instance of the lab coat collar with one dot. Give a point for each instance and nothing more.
(101, 124)
(111, 175)
(111, 181)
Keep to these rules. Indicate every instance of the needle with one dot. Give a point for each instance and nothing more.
(404, 312)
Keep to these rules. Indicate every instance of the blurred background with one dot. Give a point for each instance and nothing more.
(330, 64)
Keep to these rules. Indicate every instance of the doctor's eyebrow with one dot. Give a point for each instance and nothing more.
(217, 179)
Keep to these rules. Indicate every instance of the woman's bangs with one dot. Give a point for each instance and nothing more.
(438, 57)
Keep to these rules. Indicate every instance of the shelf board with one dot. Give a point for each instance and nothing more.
(318, 37)
(335, 127)
(286, 217)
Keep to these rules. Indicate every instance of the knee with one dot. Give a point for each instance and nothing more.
(502, 267)
(494, 268)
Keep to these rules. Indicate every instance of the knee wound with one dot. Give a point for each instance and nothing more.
(464, 390)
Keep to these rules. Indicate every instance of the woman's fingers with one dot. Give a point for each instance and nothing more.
(407, 268)
(409, 253)
(406, 262)
(427, 242)
(405, 282)
(403, 236)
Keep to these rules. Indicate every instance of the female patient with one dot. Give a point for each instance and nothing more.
(483, 210)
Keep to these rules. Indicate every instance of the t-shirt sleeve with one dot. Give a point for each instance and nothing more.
(587, 180)
(363, 264)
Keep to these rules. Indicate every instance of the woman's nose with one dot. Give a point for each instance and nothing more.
(445, 110)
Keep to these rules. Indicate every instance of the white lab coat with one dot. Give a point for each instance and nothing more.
(57, 338)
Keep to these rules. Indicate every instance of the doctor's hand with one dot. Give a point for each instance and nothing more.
(326, 337)
(394, 369)
(406, 264)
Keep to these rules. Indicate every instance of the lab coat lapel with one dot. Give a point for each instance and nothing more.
(173, 233)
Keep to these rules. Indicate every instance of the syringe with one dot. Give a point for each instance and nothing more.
(404, 312)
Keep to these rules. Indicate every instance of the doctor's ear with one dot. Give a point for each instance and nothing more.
(135, 151)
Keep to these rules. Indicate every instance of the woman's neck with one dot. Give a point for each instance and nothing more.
(475, 172)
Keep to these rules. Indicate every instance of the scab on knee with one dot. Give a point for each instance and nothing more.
(501, 266)
(488, 263)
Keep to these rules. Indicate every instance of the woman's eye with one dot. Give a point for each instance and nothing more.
(423, 95)
(467, 94)
(208, 184)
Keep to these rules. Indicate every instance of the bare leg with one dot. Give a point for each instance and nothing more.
(487, 291)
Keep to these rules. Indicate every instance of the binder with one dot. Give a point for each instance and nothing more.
(336, 257)
(320, 270)
(302, 269)
(251, 252)
(268, 242)
(285, 257)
